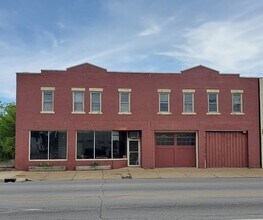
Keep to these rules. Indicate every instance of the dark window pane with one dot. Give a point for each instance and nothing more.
(39, 145)
(78, 101)
(85, 145)
(125, 107)
(212, 101)
(48, 101)
(133, 145)
(134, 158)
(102, 144)
(164, 139)
(164, 107)
(188, 102)
(124, 102)
(164, 102)
(95, 105)
(185, 139)
(124, 97)
(57, 145)
(48, 96)
(119, 139)
(237, 102)
(163, 97)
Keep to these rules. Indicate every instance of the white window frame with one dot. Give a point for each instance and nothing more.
(213, 91)
(43, 90)
(83, 100)
(129, 101)
(168, 92)
(95, 90)
(241, 102)
(192, 92)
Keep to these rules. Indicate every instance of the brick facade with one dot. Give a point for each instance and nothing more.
(144, 106)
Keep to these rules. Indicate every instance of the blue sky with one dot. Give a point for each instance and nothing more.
(137, 35)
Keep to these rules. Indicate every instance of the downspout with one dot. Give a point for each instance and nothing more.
(260, 80)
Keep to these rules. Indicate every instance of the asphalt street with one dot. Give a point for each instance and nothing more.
(231, 198)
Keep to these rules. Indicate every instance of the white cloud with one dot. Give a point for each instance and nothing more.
(60, 25)
(152, 29)
(226, 45)
(127, 38)
(51, 37)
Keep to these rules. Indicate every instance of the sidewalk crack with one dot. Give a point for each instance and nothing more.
(159, 177)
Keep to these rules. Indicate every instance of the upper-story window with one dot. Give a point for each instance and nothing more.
(78, 100)
(188, 101)
(124, 101)
(213, 101)
(95, 100)
(237, 102)
(164, 101)
(47, 99)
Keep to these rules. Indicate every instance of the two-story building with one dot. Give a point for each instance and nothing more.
(86, 114)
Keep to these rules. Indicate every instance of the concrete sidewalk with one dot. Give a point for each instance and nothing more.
(134, 173)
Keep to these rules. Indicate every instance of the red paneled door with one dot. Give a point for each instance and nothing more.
(175, 149)
(175, 156)
(226, 149)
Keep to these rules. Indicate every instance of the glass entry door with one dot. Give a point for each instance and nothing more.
(134, 152)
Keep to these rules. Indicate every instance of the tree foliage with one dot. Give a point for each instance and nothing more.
(7, 130)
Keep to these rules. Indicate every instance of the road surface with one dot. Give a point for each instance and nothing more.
(230, 198)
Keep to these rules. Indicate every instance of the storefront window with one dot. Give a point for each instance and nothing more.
(48, 145)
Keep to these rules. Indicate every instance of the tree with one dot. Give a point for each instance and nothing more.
(7, 130)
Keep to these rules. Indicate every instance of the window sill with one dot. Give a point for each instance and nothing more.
(78, 113)
(188, 113)
(47, 112)
(237, 113)
(47, 160)
(95, 113)
(124, 113)
(106, 159)
(164, 113)
(213, 113)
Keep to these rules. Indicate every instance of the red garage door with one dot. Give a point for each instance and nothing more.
(226, 149)
(175, 149)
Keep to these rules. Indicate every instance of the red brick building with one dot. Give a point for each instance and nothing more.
(86, 114)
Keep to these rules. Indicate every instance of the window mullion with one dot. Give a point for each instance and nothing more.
(111, 144)
(94, 143)
(48, 140)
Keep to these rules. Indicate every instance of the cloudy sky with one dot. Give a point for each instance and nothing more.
(137, 35)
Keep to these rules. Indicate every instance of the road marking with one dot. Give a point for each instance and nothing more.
(32, 210)
(19, 210)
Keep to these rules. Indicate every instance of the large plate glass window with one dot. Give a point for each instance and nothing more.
(48, 145)
(85, 145)
(101, 144)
